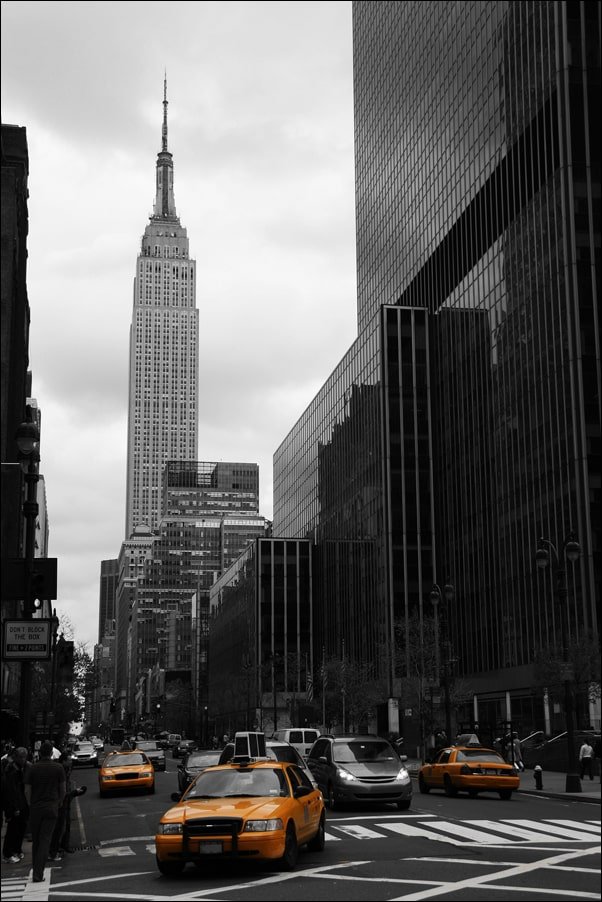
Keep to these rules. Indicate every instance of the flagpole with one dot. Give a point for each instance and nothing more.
(323, 691)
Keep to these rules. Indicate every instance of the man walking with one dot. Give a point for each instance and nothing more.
(15, 805)
(586, 760)
(45, 791)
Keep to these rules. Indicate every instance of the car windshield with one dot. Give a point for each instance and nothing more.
(202, 760)
(478, 755)
(125, 760)
(362, 751)
(233, 783)
(147, 746)
(84, 747)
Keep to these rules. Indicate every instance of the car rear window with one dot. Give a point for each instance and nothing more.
(125, 760)
(295, 736)
(310, 735)
(478, 755)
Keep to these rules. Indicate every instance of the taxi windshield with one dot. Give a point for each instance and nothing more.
(125, 760)
(234, 783)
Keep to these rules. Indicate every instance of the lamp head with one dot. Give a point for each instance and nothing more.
(572, 548)
(542, 558)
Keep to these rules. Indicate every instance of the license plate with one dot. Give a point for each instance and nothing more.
(211, 848)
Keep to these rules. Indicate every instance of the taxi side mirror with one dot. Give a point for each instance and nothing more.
(176, 796)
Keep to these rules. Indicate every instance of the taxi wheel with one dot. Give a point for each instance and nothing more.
(450, 789)
(505, 794)
(291, 849)
(319, 841)
(151, 789)
(472, 793)
(170, 868)
(422, 786)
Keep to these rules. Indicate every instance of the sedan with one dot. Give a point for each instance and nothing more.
(194, 764)
(152, 751)
(126, 770)
(83, 754)
(469, 769)
(249, 808)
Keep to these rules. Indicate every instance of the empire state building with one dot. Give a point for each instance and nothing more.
(163, 371)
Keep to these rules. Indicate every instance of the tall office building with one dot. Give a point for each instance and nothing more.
(109, 577)
(163, 374)
(464, 423)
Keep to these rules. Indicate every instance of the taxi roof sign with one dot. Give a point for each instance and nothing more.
(249, 745)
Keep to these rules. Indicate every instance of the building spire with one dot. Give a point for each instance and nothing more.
(164, 130)
(165, 205)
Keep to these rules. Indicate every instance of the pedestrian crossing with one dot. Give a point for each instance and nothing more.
(474, 832)
(13, 887)
(481, 832)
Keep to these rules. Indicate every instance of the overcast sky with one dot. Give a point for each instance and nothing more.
(261, 132)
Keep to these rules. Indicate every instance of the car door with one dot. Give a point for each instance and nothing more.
(320, 769)
(439, 768)
(307, 807)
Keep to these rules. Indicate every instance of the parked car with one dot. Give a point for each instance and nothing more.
(183, 748)
(153, 753)
(162, 740)
(194, 764)
(249, 808)
(279, 751)
(469, 769)
(301, 738)
(98, 743)
(359, 768)
(83, 754)
(126, 770)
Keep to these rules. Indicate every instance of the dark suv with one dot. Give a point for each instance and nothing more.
(354, 768)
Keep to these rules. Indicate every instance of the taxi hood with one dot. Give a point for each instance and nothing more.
(191, 809)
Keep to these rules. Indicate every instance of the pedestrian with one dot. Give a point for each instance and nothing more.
(44, 791)
(517, 752)
(586, 760)
(61, 837)
(16, 809)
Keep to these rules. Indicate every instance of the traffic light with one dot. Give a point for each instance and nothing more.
(64, 661)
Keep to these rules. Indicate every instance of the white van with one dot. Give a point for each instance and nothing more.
(301, 738)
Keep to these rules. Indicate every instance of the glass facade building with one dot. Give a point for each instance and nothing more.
(465, 419)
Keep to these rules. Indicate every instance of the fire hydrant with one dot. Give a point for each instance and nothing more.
(538, 776)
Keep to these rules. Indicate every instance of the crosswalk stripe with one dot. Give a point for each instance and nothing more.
(330, 837)
(591, 826)
(116, 852)
(516, 834)
(459, 830)
(406, 829)
(560, 832)
(358, 832)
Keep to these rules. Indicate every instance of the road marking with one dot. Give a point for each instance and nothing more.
(593, 826)
(356, 831)
(118, 851)
(468, 834)
(560, 831)
(526, 835)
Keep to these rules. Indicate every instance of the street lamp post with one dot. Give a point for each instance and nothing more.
(571, 551)
(28, 439)
(436, 595)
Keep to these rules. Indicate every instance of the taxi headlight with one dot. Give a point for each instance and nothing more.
(346, 775)
(403, 776)
(273, 823)
(169, 829)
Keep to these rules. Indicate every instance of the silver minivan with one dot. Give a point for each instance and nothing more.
(301, 738)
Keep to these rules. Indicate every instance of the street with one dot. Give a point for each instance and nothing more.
(445, 848)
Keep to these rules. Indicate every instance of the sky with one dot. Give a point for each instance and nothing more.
(261, 131)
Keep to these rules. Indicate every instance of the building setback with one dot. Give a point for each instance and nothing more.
(464, 422)
(163, 371)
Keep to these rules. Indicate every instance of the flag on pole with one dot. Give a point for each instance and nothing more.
(309, 687)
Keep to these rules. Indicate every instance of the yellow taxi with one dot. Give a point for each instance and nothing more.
(469, 768)
(250, 808)
(126, 770)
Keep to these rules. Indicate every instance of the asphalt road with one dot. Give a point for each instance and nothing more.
(445, 848)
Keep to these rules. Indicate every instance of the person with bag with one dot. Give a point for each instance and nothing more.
(44, 791)
(16, 809)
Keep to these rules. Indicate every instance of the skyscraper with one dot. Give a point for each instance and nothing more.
(163, 372)
(462, 425)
